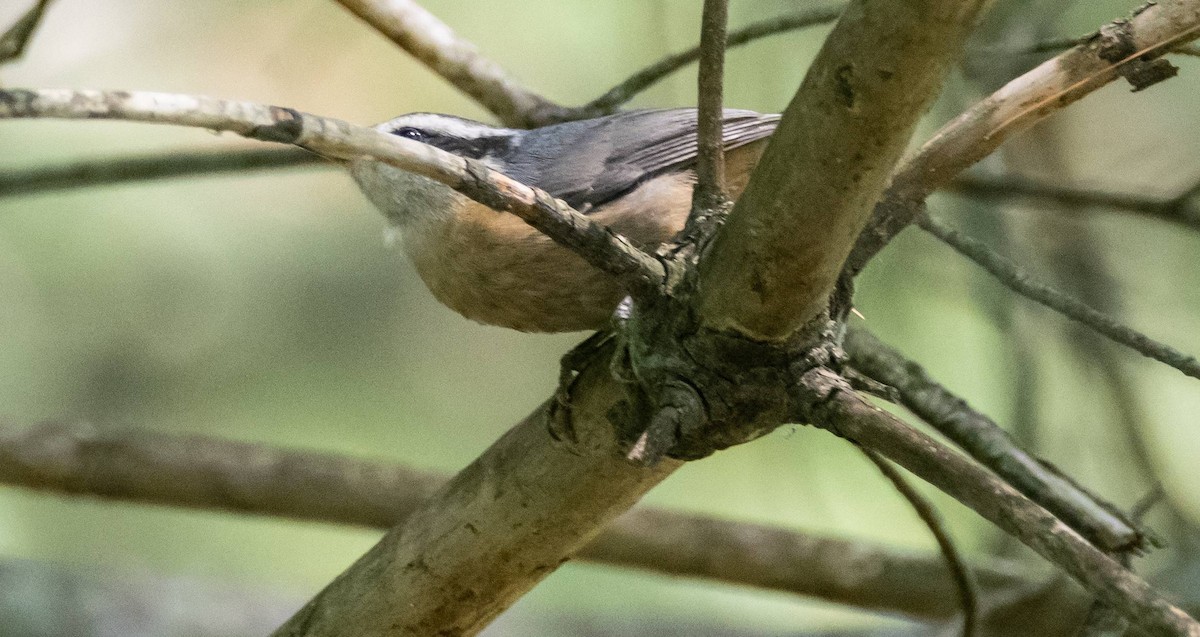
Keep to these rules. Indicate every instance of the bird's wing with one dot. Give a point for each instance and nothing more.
(592, 162)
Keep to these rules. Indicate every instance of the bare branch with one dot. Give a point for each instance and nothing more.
(987, 443)
(1045, 90)
(968, 591)
(1019, 281)
(710, 191)
(495, 530)
(118, 170)
(640, 81)
(333, 138)
(211, 474)
(781, 559)
(431, 41)
(1177, 210)
(833, 405)
(1056, 45)
(15, 40)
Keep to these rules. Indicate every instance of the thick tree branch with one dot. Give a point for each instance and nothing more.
(1051, 86)
(431, 41)
(1019, 281)
(985, 441)
(211, 474)
(833, 405)
(337, 139)
(494, 531)
(773, 266)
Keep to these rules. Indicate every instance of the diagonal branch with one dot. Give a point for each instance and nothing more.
(14, 41)
(212, 474)
(1019, 281)
(1045, 90)
(333, 138)
(987, 443)
(431, 41)
(833, 405)
(771, 269)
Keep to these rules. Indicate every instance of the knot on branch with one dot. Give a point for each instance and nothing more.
(1115, 43)
(816, 388)
(695, 391)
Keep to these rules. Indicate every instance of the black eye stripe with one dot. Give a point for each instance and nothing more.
(410, 133)
(474, 148)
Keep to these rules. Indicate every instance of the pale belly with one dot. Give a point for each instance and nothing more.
(493, 268)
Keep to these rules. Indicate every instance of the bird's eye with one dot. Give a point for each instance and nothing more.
(411, 133)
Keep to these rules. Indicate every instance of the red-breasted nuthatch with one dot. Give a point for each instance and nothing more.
(631, 171)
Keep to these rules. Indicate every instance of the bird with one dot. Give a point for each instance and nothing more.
(632, 171)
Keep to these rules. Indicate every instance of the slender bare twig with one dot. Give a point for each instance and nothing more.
(1176, 210)
(1016, 106)
(986, 442)
(643, 79)
(126, 169)
(710, 193)
(207, 473)
(968, 590)
(337, 139)
(827, 401)
(1056, 45)
(16, 39)
(1016, 279)
(431, 41)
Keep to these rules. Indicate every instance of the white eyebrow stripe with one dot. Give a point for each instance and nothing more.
(443, 124)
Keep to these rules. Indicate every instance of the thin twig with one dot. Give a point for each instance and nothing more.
(333, 138)
(118, 170)
(968, 590)
(16, 39)
(1176, 210)
(640, 81)
(1016, 279)
(709, 193)
(990, 445)
(435, 44)
(1057, 45)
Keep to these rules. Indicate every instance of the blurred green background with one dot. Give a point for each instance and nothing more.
(269, 307)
